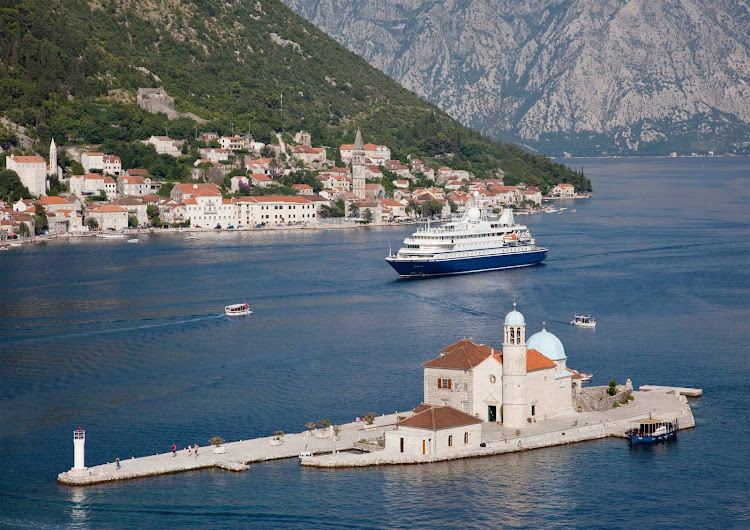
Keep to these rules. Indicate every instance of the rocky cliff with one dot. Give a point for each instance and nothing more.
(583, 76)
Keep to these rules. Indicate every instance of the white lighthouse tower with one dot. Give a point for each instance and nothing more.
(79, 440)
(514, 370)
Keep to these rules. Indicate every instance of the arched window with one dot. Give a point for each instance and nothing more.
(518, 335)
(512, 336)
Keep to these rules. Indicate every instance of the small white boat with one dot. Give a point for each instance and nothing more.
(572, 211)
(15, 244)
(191, 238)
(583, 321)
(237, 309)
(305, 454)
(112, 236)
(134, 240)
(586, 377)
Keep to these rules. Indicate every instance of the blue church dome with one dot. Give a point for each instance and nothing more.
(547, 344)
(515, 318)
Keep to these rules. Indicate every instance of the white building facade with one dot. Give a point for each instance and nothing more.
(32, 170)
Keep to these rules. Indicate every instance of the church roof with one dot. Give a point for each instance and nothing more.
(464, 355)
(358, 143)
(435, 417)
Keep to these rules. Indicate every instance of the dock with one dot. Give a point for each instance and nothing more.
(237, 455)
(687, 392)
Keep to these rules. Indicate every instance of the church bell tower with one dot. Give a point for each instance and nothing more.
(514, 370)
(358, 167)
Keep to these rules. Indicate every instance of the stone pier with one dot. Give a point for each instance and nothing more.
(237, 455)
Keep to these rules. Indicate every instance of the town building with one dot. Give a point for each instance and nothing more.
(276, 210)
(214, 154)
(563, 190)
(238, 182)
(164, 145)
(313, 156)
(232, 143)
(206, 210)
(92, 160)
(32, 170)
(261, 180)
(135, 206)
(183, 191)
(376, 154)
(302, 189)
(112, 165)
(110, 217)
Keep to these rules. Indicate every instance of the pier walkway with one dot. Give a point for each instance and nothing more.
(237, 455)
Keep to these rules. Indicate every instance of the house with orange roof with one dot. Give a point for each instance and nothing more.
(65, 221)
(314, 156)
(519, 382)
(276, 210)
(214, 154)
(109, 217)
(374, 191)
(92, 184)
(32, 170)
(53, 204)
(136, 186)
(434, 430)
(184, 190)
(563, 190)
(302, 189)
(260, 180)
(377, 154)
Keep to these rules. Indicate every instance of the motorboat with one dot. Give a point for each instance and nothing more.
(134, 240)
(652, 430)
(586, 377)
(305, 454)
(111, 236)
(583, 321)
(237, 309)
(191, 238)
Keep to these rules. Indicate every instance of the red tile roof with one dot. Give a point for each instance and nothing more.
(28, 159)
(109, 208)
(466, 354)
(435, 417)
(537, 361)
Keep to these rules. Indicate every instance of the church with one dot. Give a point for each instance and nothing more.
(469, 384)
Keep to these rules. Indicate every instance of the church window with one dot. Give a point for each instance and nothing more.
(402, 445)
(450, 440)
(466, 437)
(493, 379)
(512, 336)
(533, 410)
(465, 406)
(518, 335)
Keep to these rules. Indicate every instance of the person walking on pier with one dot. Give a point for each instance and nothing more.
(196, 450)
(117, 463)
(174, 450)
(190, 450)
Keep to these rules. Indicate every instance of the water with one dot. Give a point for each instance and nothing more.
(128, 341)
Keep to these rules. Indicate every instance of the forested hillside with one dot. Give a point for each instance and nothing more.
(70, 69)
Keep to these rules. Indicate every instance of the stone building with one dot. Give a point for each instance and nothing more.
(522, 382)
(32, 170)
(359, 167)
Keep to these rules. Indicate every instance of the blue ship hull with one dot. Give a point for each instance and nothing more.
(438, 266)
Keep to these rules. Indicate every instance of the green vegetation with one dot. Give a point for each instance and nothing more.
(23, 229)
(216, 441)
(132, 221)
(11, 189)
(612, 390)
(40, 219)
(70, 69)
(92, 223)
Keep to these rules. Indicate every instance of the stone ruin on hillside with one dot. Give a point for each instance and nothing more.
(156, 100)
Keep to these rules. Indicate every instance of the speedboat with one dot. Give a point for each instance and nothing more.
(305, 454)
(112, 236)
(584, 321)
(191, 238)
(237, 310)
(134, 240)
(586, 377)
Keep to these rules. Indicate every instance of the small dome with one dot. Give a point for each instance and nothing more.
(515, 318)
(474, 214)
(547, 344)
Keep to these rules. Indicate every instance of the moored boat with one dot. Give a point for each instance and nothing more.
(237, 309)
(583, 321)
(134, 240)
(652, 430)
(111, 236)
(473, 243)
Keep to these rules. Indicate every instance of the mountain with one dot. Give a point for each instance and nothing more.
(71, 69)
(586, 76)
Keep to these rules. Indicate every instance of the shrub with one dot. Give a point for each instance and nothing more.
(370, 418)
(615, 405)
(216, 440)
(310, 425)
(518, 432)
(325, 423)
(612, 390)
(631, 397)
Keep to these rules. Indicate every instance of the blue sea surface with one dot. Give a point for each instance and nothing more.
(129, 342)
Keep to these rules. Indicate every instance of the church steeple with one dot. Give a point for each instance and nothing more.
(52, 158)
(514, 369)
(358, 166)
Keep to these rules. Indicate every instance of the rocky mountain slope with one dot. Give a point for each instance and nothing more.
(71, 68)
(585, 76)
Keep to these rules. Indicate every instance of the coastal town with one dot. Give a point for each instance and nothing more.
(237, 183)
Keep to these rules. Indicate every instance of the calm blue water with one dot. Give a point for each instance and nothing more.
(127, 341)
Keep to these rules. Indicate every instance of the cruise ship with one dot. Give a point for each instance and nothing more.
(473, 243)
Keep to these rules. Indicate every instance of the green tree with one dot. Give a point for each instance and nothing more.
(354, 210)
(23, 229)
(367, 215)
(92, 223)
(156, 221)
(430, 208)
(151, 211)
(76, 168)
(132, 221)
(11, 187)
(40, 219)
(165, 189)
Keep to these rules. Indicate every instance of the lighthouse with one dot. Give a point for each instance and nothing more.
(79, 440)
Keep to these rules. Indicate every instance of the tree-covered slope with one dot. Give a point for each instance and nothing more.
(71, 68)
